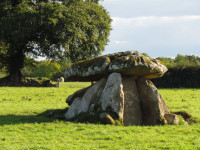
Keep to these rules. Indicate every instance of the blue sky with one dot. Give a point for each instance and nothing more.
(156, 27)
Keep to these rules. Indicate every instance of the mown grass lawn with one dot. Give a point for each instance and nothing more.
(22, 127)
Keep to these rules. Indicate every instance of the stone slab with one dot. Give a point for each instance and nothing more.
(112, 98)
(127, 63)
(153, 105)
(132, 106)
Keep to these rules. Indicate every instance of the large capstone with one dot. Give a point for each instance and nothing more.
(127, 63)
(88, 70)
(138, 66)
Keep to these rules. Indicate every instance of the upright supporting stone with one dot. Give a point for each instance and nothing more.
(80, 105)
(132, 107)
(113, 96)
(62, 79)
(78, 93)
(153, 105)
(73, 109)
(91, 95)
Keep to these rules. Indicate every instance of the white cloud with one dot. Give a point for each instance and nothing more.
(157, 27)
(113, 0)
(146, 21)
(120, 42)
(156, 35)
(134, 8)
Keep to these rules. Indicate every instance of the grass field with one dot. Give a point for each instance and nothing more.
(23, 127)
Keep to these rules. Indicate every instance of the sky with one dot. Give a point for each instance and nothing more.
(160, 28)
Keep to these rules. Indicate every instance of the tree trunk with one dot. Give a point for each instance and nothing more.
(16, 63)
(14, 78)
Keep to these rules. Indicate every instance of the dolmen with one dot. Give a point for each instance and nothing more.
(122, 92)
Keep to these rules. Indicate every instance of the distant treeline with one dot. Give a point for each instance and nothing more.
(181, 61)
(41, 69)
(183, 72)
(46, 68)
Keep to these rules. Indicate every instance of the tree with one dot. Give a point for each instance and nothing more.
(46, 69)
(77, 29)
(186, 61)
(169, 62)
(192, 60)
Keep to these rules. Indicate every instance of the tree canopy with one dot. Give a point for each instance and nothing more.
(181, 61)
(77, 29)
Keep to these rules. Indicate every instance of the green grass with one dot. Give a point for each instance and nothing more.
(183, 100)
(22, 127)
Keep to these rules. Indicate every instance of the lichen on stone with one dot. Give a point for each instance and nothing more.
(88, 67)
(137, 65)
(128, 63)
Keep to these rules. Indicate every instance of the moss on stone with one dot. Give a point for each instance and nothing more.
(92, 67)
(137, 66)
(127, 63)
(95, 62)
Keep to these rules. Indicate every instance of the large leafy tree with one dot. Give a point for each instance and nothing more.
(77, 29)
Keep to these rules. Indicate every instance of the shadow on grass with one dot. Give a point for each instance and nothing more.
(47, 116)
(58, 114)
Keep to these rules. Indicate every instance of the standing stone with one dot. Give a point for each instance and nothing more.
(132, 106)
(62, 79)
(80, 105)
(78, 93)
(153, 105)
(113, 96)
(58, 83)
(73, 109)
(91, 94)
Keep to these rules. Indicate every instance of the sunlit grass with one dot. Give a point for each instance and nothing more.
(22, 126)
